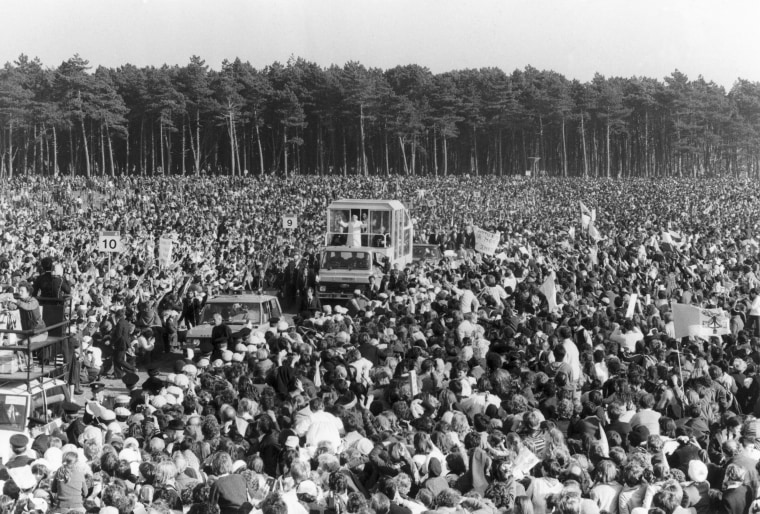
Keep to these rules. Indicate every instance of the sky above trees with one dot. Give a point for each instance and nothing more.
(576, 38)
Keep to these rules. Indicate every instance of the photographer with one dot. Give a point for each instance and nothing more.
(29, 310)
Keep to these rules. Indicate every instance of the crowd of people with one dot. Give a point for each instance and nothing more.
(448, 386)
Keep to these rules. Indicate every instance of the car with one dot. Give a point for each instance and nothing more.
(237, 311)
(424, 253)
(31, 409)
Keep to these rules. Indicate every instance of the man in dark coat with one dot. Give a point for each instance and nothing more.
(120, 341)
(192, 308)
(50, 284)
(221, 334)
(369, 350)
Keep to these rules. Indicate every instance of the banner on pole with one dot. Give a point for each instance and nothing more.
(165, 247)
(485, 242)
(690, 320)
(631, 305)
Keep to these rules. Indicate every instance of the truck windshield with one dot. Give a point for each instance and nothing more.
(233, 312)
(346, 260)
(13, 411)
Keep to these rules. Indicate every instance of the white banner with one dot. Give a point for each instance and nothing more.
(693, 321)
(485, 242)
(165, 247)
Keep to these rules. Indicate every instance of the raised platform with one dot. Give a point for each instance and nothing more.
(36, 373)
(36, 345)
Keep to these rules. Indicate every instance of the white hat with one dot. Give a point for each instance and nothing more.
(130, 455)
(122, 412)
(182, 381)
(131, 442)
(42, 462)
(697, 471)
(107, 415)
(175, 391)
(308, 487)
(282, 326)
(54, 456)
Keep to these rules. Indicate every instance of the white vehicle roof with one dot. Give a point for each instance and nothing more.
(16, 387)
(365, 204)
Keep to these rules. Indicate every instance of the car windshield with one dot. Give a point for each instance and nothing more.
(425, 252)
(44, 411)
(233, 312)
(13, 411)
(346, 260)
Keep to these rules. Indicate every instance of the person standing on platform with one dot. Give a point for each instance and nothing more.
(354, 231)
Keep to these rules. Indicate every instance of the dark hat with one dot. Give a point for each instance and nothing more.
(19, 441)
(179, 364)
(273, 321)
(153, 369)
(176, 424)
(70, 407)
(434, 467)
(153, 385)
(638, 435)
(97, 387)
(206, 347)
(130, 379)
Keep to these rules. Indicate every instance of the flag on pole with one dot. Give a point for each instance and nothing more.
(594, 233)
(673, 238)
(587, 216)
(549, 289)
(689, 320)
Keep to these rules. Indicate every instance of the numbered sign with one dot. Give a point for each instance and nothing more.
(289, 221)
(110, 242)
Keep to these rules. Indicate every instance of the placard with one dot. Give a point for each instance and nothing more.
(110, 242)
(289, 221)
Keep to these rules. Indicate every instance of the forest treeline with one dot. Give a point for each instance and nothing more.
(301, 118)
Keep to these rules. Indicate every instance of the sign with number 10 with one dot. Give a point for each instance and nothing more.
(110, 242)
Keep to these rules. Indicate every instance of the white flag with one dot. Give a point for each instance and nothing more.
(549, 289)
(689, 320)
(594, 233)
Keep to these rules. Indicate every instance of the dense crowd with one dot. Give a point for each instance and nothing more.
(448, 386)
